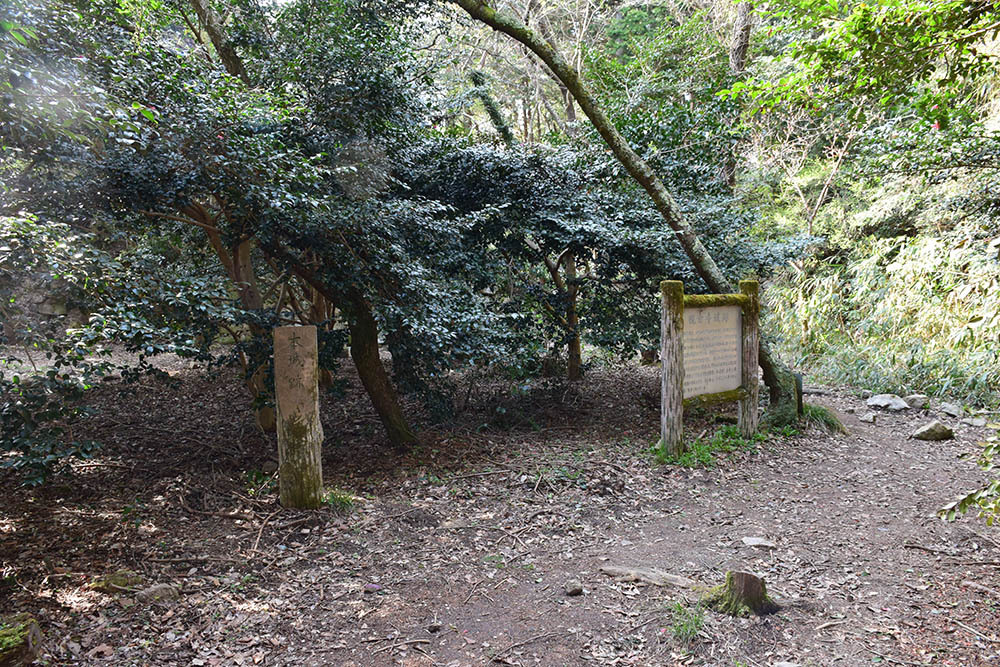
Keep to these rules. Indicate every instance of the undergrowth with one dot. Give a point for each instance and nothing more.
(686, 622)
(784, 416)
(901, 315)
(338, 500)
(702, 453)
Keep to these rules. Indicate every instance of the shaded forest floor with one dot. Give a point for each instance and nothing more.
(460, 552)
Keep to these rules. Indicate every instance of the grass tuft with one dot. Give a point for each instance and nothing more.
(686, 622)
(701, 453)
(784, 416)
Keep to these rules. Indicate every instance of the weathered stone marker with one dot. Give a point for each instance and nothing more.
(709, 349)
(300, 433)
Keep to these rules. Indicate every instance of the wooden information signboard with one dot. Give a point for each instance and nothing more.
(709, 353)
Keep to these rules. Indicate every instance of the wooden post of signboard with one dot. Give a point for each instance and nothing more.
(748, 417)
(672, 359)
(300, 433)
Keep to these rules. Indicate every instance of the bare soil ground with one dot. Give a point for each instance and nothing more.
(459, 553)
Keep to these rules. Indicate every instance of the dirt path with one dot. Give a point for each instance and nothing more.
(460, 554)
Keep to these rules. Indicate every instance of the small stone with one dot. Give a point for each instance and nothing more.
(759, 542)
(977, 422)
(372, 588)
(434, 627)
(934, 430)
(158, 592)
(917, 401)
(950, 409)
(868, 418)
(888, 401)
(574, 587)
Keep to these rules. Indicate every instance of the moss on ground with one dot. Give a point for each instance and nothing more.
(122, 581)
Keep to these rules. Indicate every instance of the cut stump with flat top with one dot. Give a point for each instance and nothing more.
(742, 594)
(300, 434)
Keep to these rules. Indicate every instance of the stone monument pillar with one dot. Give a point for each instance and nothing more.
(300, 433)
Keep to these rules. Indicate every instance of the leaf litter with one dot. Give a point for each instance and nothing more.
(459, 553)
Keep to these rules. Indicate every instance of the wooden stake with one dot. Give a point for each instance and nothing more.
(300, 433)
(748, 417)
(672, 373)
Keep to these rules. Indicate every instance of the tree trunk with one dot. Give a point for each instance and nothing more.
(568, 102)
(365, 353)
(251, 299)
(738, 50)
(319, 312)
(574, 366)
(740, 47)
(492, 109)
(775, 373)
(239, 268)
(212, 24)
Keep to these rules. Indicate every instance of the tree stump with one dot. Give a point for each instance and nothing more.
(742, 594)
(19, 640)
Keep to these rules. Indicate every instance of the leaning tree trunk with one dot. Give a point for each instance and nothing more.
(365, 353)
(239, 268)
(213, 25)
(251, 299)
(319, 313)
(775, 374)
(482, 91)
(364, 350)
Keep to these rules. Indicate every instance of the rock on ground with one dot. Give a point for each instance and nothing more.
(158, 592)
(888, 401)
(934, 430)
(950, 409)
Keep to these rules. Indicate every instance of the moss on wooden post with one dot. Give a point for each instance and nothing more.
(300, 433)
(748, 416)
(672, 373)
(20, 638)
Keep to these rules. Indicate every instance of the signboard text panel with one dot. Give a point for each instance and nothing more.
(712, 350)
